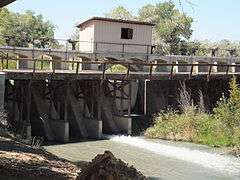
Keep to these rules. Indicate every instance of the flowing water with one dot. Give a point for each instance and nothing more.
(158, 159)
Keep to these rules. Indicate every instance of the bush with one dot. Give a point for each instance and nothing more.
(227, 113)
(222, 128)
(187, 126)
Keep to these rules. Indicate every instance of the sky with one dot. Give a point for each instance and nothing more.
(213, 19)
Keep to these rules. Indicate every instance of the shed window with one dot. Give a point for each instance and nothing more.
(126, 33)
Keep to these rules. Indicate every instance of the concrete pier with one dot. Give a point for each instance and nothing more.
(94, 128)
(61, 130)
(124, 124)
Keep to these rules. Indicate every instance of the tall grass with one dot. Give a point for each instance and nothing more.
(192, 123)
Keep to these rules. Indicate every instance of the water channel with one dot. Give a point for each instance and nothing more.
(157, 159)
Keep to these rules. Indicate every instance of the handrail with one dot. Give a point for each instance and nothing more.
(120, 62)
(124, 63)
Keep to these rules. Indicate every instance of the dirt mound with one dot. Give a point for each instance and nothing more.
(24, 162)
(107, 167)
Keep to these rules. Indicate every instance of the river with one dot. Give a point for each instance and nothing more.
(157, 159)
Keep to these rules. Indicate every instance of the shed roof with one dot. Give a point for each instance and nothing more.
(114, 20)
(5, 2)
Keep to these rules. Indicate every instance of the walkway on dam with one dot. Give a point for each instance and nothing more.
(98, 75)
(156, 165)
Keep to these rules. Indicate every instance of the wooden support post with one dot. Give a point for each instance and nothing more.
(42, 63)
(73, 63)
(100, 101)
(227, 70)
(104, 71)
(191, 72)
(129, 98)
(150, 72)
(54, 67)
(77, 70)
(7, 61)
(121, 103)
(209, 72)
(92, 99)
(128, 71)
(66, 102)
(145, 98)
(84, 99)
(28, 110)
(21, 101)
(28, 101)
(171, 73)
(34, 65)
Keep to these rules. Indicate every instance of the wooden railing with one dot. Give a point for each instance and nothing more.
(5, 60)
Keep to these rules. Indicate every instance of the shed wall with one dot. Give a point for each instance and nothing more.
(110, 32)
(86, 38)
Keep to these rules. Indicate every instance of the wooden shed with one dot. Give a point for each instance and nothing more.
(100, 34)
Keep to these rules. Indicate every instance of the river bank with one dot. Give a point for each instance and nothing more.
(21, 161)
(157, 159)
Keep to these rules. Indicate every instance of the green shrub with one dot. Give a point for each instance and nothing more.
(227, 113)
(175, 126)
(222, 128)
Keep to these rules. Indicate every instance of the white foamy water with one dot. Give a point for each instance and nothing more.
(227, 164)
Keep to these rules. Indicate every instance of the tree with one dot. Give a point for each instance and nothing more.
(25, 29)
(171, 27)
(120, 13)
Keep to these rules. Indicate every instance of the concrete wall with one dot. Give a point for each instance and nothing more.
(2, 89)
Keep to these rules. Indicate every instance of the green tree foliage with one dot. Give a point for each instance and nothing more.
(223, 48)
(120, 13)
(227, 112)
(24, 29)
(172, 26)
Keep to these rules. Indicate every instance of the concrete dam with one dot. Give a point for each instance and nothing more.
(71, 94)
